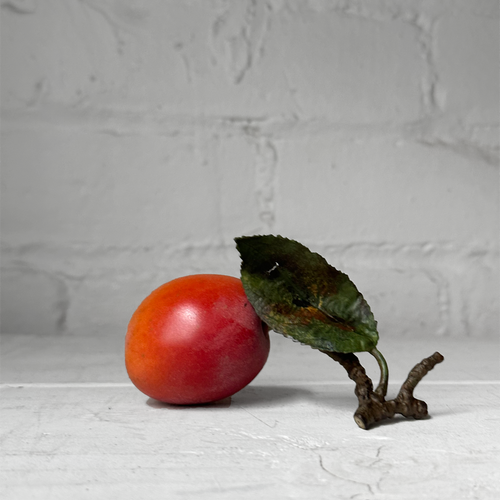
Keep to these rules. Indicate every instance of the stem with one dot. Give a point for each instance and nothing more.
(372, 406)
(381, 389)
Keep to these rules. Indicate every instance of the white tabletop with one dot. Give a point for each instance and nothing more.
(73, 427)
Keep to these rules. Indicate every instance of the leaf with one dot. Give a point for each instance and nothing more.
(298, 294)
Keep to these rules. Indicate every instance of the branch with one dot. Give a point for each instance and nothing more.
(372, 404)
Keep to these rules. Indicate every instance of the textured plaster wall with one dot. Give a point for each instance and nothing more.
(140, 137)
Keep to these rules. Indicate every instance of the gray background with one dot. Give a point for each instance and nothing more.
(139, 138)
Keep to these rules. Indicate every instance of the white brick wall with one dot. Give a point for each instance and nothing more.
(140, 137)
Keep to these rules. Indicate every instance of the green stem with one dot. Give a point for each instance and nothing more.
(381, 390)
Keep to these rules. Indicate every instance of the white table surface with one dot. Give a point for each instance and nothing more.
(73, 427)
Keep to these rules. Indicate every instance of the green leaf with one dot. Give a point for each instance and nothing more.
(298, 294)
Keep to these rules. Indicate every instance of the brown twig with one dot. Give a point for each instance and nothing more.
(372, 406)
